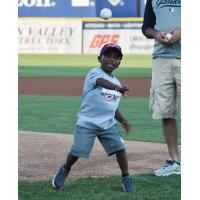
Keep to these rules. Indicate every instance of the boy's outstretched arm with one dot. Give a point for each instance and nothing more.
(125, 124)
(111, 86)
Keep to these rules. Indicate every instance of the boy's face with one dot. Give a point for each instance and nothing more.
(110, 60)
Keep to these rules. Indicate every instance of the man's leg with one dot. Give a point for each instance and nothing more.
(171, 137)
(165, 85)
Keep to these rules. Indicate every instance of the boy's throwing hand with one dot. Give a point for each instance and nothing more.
(123, 90)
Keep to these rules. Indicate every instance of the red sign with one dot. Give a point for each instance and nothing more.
(100, 39)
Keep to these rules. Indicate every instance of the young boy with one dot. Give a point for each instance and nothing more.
(96, 118)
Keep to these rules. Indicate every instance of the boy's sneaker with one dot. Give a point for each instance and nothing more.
(59, 179)
(127, 184)
(170, 167)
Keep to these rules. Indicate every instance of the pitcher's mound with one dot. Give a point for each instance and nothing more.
(41, 154)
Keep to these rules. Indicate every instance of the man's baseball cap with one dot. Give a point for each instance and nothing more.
(111, 46)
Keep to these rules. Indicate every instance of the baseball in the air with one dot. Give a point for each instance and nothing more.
(106, 13)
(168, 36)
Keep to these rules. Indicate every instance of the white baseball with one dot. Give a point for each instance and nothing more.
(105, 13)
(168, 36)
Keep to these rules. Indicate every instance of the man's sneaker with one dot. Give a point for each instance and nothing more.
(178, 169)
(59, 179)
(127, 184)
(170, 167)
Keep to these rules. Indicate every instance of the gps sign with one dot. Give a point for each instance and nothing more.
(127, 34)
(100, 39)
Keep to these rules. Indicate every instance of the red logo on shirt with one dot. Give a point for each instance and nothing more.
(109, 97)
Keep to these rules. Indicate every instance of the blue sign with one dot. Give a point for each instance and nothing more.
(142, 7)
(54, 8)
(120, 8)
(76, 8)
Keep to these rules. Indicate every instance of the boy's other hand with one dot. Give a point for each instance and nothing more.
(127, 126)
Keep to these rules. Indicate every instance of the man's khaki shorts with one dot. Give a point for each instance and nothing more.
(165, 89)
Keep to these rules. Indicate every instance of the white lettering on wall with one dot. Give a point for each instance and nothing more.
(36, 3)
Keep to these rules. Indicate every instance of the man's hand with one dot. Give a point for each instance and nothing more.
(127, 126)
(161, 37)
(176, 36)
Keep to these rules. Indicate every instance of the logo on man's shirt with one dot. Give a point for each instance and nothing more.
(110, 95)
(168, 3)
(171, 9)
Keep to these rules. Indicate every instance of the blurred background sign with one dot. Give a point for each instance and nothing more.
(44, 36)
(74, 26)
(79, 8)
(127, 34)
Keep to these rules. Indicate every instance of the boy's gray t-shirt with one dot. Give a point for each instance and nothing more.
(98, 104)
(168, 16)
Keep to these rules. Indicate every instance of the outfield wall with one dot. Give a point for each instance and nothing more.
(80, 35)
(79, 8)
(74, 26)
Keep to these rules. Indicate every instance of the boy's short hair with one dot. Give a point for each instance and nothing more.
(111, 46)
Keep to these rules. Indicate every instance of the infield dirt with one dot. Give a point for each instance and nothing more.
(40, 155)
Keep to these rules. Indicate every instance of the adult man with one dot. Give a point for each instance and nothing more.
(162, 22)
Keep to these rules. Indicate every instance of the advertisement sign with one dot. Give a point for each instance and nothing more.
(127, 34)
(76, 8)
(45, 36)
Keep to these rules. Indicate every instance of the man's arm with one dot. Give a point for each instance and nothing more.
(125, 124)
(149, 21)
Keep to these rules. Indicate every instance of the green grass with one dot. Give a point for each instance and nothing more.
(78, 72)
(59, 65)
(148, 187)
(78, 60)
(57, 114)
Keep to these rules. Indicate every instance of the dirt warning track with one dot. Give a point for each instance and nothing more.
(139, 87)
